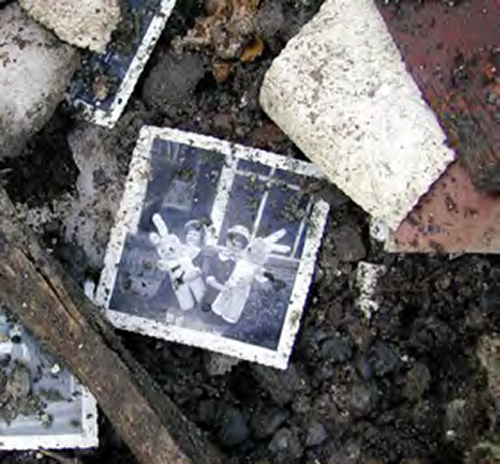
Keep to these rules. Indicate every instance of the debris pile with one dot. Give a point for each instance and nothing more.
(461, 212)
(341, 92)
(206, 243)
(228, 32)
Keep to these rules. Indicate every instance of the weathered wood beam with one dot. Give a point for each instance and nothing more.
(34, 287)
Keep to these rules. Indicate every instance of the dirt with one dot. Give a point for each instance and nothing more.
(415, 384)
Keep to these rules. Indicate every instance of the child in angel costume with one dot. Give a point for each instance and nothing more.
(220, 267)
(249, 266)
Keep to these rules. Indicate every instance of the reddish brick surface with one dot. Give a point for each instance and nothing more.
(453, 53)
(453, 217)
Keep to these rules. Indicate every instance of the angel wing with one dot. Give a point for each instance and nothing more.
(275, 236)
(272, 246)
(277, 248)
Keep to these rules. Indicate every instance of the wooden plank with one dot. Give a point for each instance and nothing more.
(35, 289)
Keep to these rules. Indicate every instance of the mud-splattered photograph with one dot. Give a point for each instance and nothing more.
(215, 247)
(42, 404)
(105, 81)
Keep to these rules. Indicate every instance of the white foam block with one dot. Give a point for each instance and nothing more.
(341, 92)
(83, 23)
(35, 69)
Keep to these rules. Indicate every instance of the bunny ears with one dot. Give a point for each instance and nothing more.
(161, 227)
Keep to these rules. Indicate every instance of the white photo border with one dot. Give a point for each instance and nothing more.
(88, 437)
(108, 118)
(127, 221)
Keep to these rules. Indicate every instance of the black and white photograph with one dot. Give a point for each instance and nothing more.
(103, 85)
(43, 405)
(214, 246)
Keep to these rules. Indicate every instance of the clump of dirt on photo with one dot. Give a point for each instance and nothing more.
(416, 383)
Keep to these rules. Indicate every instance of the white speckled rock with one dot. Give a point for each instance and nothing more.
(35, 68)
(367, 278)
(219, 364)
(83, 23)
(341, 92)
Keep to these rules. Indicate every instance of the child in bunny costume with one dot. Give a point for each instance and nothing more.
(234, 294)
(176, 258)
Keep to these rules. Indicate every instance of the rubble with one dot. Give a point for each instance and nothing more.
(453, 217)
(401, 382)
(218, 364)
(54, 308)
(488, 353)
(283, 386)
(83, 23)
(225, 30)
(228, 32)
(34, 73)
(341, 92)
(89, 217)
(349, 246)
(102, 86)
(460, 78)
(172, 80)
(367, 277)
(40, 406)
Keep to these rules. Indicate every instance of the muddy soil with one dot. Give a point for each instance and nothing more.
(415, 384)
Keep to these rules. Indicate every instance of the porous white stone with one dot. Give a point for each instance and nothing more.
(219, 364)
(35, 68)
(366, 281)
(341, 92)
(83, 23)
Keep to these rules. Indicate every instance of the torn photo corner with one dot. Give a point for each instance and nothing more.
(102, 86)
(42, 405)
(214, 246)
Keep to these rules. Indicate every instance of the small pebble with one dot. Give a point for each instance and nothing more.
(337, 349)
(364, 367)
(286, 442)
(383, 359)
(265, 424)
(363, 399)
(234, 429)
(349, 246)
(316, 434)
(417, 381)
(301, 404)
(218, 364)
(282, 386)
(207, 410)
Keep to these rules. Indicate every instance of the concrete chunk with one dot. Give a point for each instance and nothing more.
(35, 69)
(341, 92)
(83, 23)
(367, 279)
